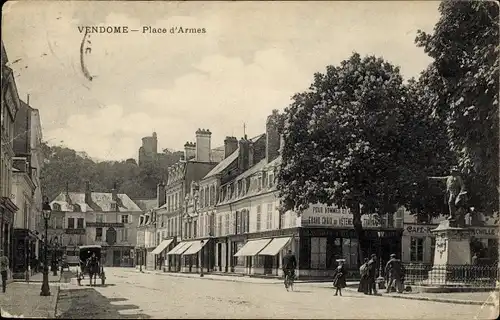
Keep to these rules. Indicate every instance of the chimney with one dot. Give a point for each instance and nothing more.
(88, 193)
(230, 146)
(160, 194)
(203, 153)
(244, 154)
(272, 137)
(114, 192)
(189, 150)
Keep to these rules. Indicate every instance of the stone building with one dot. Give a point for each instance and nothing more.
(28, 163)
(172, 222)
(108, 219)
(10, 107)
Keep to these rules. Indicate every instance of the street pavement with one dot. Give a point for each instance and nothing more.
(131, 294)
(22, 299)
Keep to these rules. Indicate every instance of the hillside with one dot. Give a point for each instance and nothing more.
(64, 166)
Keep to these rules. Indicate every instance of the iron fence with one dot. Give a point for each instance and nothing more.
(462, 275)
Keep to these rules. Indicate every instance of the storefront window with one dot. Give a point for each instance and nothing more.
(350, 253)
(318, 253)
(417, 249)
(433, 249)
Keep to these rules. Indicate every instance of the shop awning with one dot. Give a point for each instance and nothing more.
(274, 247)
(195, 247)
(164, 244)
(180, 248)
(252, 247)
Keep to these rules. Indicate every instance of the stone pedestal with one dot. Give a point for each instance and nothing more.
(452, 251)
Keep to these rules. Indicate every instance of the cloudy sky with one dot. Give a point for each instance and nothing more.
(253, 57)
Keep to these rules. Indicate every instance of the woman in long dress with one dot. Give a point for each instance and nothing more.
(339, 277)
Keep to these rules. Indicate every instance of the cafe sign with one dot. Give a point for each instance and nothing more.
(425, 230)
(105, 224)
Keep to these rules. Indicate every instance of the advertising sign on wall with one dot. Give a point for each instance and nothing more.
(332, 216)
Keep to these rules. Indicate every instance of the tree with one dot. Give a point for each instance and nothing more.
(356, 139)
(66, 167)
(462, 88)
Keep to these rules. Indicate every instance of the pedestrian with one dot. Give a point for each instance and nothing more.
(363, 282)
(394, 272)
(4, 267)
(372, 273)
(339, 276)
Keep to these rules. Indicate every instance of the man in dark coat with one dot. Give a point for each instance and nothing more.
(372, 275)
(363, 272)
(393, 271)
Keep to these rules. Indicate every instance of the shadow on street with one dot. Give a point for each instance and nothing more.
(87, 303)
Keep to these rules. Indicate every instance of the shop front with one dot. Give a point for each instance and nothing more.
(192, 255)
(118, 256)
(418, 243)
(321, 247)
(160, 253)
(24, 243)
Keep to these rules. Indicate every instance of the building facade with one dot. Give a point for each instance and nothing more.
(28, 163)
(418, 242)
(95, 218)
(10, 107)
(172, 224)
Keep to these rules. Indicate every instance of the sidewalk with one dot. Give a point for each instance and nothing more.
(23, 300)
(38, 277)
(472, 298)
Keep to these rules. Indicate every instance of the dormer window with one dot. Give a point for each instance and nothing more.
(113, 206)
(76, 208)
(56, 207)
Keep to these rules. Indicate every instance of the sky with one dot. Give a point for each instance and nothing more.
(252, 58)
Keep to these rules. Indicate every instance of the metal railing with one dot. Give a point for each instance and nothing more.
(460, 275)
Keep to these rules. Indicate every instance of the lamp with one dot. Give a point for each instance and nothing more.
(380, 278)
(46, 212)
(201, 257)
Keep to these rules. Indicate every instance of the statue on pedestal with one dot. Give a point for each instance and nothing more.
(456, 196)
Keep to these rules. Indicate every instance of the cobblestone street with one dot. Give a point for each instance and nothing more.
(130, 294)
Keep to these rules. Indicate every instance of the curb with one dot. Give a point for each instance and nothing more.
(442, 300)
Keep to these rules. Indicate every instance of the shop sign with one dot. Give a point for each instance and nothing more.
(105, 224)
(337, 219)
(425, 230)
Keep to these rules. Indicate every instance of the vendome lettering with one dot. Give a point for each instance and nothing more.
(103, 29)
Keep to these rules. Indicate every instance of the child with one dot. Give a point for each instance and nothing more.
(339, 276)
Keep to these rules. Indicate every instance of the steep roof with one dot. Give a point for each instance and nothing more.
(101, 201)
(223, 164)
(146, 204)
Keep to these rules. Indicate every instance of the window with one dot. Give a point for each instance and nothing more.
(270, 180)
(163, 235)
(258, 218)
(417, 249)
(195, 228)
(282, 219)
(98, 234)
(226, 227)
(202, 199)
(99, 218)
(80, 223)
(219, 225)
(318, 253)
(59, 222)
(206, 197)
(71, 223)
(113, 207)
(269, 225)
(158, 235)
(168, 204)
(212, 195)
(124, 234)
(124, 218)
(259, 183)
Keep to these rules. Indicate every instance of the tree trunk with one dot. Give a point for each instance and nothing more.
(358, 228)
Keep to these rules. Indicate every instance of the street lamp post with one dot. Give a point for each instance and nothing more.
(201, 258)
(46, 211)
(380, 279)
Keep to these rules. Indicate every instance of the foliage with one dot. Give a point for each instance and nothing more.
(66, 167)
(461, 86)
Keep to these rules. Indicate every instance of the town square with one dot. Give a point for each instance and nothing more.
(250, 160)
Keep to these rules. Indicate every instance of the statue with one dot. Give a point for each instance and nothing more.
(456, 195)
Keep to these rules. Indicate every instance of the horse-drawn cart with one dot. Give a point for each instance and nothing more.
(91, 264)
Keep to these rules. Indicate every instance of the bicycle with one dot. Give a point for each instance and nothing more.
(289, 278)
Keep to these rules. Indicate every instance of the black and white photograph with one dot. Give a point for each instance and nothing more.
(250, 159)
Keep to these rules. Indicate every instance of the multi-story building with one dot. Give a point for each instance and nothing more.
(28, 163)
(146, 230)
(249, 234)
(108, 219)
(10, 107)
(199, 158)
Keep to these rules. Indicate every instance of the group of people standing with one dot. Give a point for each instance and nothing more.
(393, 275)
